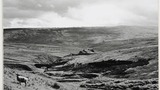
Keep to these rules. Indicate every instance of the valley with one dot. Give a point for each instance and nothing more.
(84, 58)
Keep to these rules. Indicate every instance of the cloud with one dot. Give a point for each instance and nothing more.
(61, 13)
(47, 20)
(103, 14)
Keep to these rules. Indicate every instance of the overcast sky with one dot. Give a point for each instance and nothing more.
(73, 13)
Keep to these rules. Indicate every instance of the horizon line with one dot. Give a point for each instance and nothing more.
(76, 26)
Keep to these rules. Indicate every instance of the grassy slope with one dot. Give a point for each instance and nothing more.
(77, 36)
(28, 46)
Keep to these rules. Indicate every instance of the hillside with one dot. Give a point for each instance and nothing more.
(126, 56)
(77, 36)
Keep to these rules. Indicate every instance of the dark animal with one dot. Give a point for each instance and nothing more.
(22, 79)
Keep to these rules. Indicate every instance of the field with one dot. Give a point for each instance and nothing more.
(82, 58)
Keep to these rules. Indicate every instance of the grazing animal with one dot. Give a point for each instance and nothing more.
(22, 79)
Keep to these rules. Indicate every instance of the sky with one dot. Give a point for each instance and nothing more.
(79, 13)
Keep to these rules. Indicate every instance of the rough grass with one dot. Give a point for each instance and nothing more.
(122, 84)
